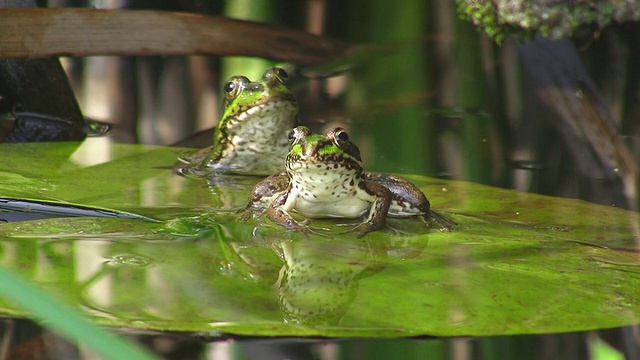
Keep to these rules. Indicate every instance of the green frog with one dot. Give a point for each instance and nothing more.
(324, 178)
(251, 136)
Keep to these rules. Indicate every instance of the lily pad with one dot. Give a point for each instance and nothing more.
(516, 264)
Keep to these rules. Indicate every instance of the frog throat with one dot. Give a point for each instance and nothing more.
(274, 116)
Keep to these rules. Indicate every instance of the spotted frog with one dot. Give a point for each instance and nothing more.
(251, 136)
(324, 178)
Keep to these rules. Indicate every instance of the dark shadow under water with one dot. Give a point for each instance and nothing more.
(24, 339)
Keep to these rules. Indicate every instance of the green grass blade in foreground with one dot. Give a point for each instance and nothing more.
(600, 350)
(65, 321)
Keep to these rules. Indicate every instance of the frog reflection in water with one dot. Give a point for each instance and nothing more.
(325, 178)
(251, 136)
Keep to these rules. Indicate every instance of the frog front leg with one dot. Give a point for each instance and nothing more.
(264, 193)
(279, 209)
(381, 201)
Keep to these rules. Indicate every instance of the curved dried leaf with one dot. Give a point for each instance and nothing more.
(87, 32)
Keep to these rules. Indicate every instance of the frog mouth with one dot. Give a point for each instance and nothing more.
(323, 166)
(277, 108)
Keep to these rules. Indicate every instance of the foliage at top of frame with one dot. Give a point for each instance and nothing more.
(552, 18)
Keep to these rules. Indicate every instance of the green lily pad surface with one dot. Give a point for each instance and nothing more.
(516, 264)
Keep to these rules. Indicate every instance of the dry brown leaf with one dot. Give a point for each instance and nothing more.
(86, 32)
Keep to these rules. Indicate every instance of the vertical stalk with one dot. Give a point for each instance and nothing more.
(391, 90)
(472, 98)
(255, 10)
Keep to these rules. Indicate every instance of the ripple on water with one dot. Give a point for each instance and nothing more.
(129, 260)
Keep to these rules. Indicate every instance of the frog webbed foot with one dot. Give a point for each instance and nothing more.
(363, 228)
(304, 228)
(282, 217)
(440, 222)
(252, 211)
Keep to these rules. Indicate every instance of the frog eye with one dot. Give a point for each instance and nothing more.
(235, 86)
(342, 136)
(298, 134)
(230, 86)
(282, 75)
(339, 136)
